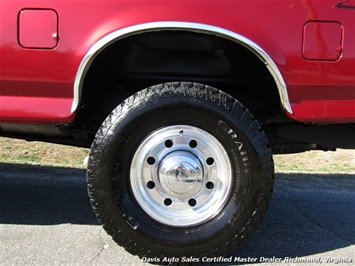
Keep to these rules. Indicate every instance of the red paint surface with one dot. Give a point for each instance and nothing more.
(34, 109)
(42, 79)
(322, 40)
(38, 28)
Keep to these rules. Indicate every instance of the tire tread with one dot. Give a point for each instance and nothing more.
(196, 92)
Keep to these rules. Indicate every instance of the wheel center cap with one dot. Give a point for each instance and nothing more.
(181, 174)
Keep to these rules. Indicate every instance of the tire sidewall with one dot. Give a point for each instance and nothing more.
(126, 133)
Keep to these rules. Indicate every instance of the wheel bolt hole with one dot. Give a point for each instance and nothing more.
(193, 143)
(151, 185)
(168, 202)
(192, 202)
(168, 143)
(210, 161)
(151, 160)
(209, 185)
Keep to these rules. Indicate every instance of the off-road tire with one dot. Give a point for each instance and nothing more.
(193, 106)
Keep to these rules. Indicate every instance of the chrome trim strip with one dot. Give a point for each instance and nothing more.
(178, 26)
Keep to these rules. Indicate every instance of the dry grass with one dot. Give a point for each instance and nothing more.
(20, 151)
(341, 161)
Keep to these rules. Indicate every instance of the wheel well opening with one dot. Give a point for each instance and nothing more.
(136, 62)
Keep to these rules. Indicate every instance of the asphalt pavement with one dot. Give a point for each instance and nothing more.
(46, 219)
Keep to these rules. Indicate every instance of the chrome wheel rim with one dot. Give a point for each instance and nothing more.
(181, 175)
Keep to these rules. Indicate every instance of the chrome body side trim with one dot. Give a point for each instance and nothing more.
(179, 26)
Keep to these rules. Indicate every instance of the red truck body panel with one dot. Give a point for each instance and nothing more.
(37, 76)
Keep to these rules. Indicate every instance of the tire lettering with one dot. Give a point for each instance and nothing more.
(129, 219)
(244, 156)
(132, 223)
(234, 136)
(223, 125)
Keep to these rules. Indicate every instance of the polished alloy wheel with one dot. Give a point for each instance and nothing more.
(181, 175)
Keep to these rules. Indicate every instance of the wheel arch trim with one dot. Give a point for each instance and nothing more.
(179, 26)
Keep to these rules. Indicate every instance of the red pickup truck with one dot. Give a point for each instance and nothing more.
(183, 104)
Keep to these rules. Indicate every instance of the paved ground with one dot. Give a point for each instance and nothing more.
(46, 219)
